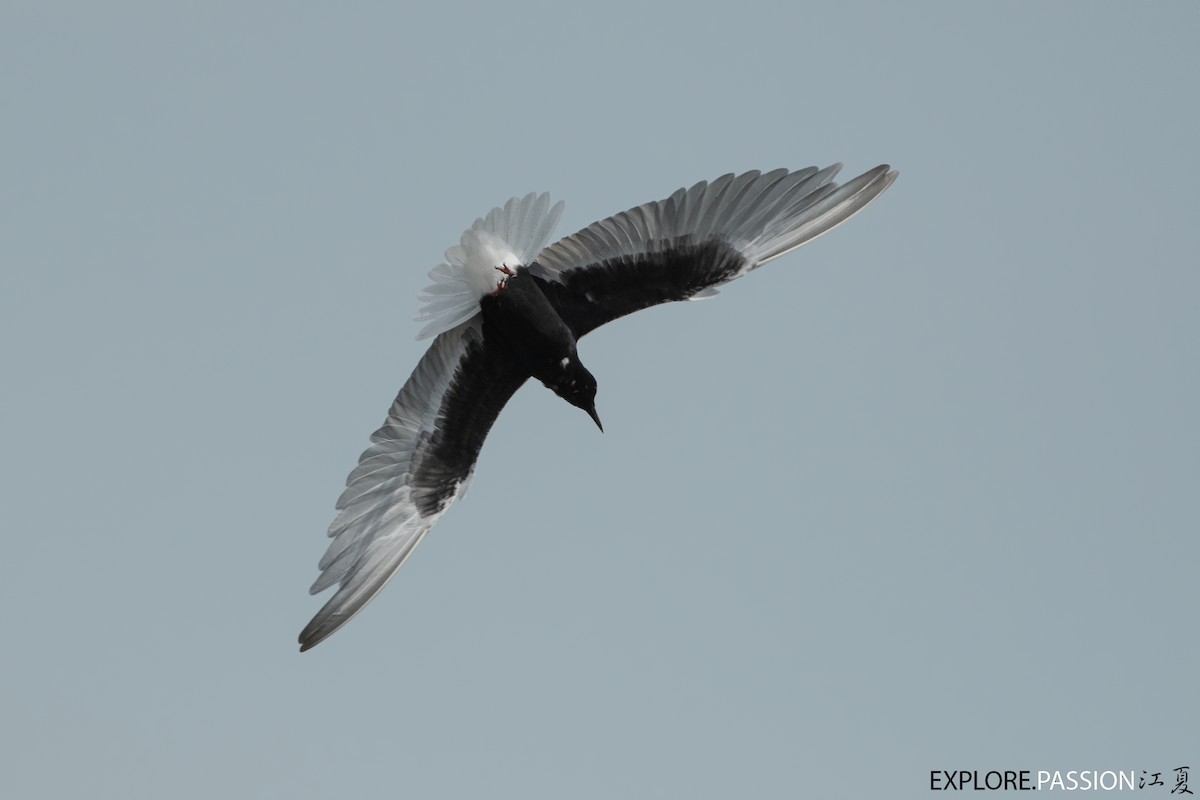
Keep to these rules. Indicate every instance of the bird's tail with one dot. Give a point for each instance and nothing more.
(509, 235)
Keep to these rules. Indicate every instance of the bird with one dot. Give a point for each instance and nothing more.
(506, 306)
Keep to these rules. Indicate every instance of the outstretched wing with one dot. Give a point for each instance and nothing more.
(418, 463)
(685, 246)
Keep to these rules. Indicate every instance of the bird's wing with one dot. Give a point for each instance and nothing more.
(511, 235)
(418, 463)
(685, 246)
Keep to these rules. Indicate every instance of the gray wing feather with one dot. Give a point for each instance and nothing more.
(762, 215)
(379, 524)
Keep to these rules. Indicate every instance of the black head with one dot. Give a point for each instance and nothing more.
(576, 385)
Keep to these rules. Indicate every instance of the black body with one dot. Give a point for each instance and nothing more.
(520, 316)
(529, 328)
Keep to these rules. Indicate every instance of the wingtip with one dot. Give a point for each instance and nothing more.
(886, 176)
(309, 638)
(886, 172)
(316, 632)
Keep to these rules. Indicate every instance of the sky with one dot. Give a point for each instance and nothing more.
(920, 496)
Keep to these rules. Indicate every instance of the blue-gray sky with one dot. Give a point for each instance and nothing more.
(919, 496)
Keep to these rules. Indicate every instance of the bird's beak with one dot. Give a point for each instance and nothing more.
(592, 413)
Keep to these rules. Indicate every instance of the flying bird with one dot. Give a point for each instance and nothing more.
(505, 307)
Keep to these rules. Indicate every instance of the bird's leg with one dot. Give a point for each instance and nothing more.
(503, 284)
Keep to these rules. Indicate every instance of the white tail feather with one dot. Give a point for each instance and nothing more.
(510, 235)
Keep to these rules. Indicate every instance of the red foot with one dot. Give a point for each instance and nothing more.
(503, 284)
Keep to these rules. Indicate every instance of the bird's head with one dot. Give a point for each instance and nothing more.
(577, 386)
